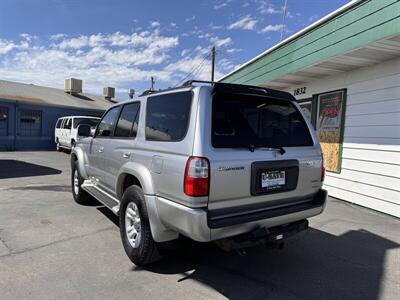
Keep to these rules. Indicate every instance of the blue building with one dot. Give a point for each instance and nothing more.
(28, 113)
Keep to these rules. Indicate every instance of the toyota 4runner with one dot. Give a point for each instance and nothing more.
(207, 160)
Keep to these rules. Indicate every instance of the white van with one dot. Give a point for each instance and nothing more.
(66, 131)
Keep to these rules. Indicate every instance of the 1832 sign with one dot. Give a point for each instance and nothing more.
(300, 91)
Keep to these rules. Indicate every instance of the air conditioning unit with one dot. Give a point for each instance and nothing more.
(109, 92)
(73, 86)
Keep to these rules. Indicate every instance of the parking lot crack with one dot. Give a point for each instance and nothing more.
(3, 242)
(16, 252)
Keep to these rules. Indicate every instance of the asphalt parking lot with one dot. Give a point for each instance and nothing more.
(52, 248)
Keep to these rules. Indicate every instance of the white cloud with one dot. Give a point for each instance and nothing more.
(100, 59)
(234, 50)
(8, 46)
(221, 42)
(192, 18)
(272, 28)
(155, 24)
(246, 23)
(58, 36)
(117, 59)
(221, 5)
(184, 52)
(268, 9)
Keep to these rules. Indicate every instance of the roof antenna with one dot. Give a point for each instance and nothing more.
(284, 20)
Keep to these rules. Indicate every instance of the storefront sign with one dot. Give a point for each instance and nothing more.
(329, 127)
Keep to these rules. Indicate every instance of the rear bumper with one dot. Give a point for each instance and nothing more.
(196, 224)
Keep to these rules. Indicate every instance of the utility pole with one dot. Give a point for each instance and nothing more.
(152, 83)
(212, 62)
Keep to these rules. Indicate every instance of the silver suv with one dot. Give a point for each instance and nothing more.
(208, 161)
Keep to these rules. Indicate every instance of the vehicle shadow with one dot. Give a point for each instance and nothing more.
(11, 168)
(313, 265)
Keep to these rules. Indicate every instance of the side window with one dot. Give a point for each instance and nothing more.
(68, 123)
(58, 125)
(107, 123)
(167, 116)
(128, 121)
(30, 123)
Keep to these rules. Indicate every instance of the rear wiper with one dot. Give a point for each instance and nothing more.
(252, 147)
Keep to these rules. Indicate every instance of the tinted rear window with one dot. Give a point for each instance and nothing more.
(85, 121)
(167, 116)
(239, 120)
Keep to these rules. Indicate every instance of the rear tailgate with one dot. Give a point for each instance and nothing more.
(246, 179)
(237, 184)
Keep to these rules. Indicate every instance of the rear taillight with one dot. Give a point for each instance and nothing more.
(197, 177)
(322, 168)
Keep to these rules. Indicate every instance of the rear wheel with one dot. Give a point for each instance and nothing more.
(58, 146)
(80, 196)
(135, 228)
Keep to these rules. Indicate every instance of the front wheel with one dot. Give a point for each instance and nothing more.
(58, 146)
(135, 228)
(80, 196)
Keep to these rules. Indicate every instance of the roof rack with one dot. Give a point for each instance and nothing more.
(190, 82)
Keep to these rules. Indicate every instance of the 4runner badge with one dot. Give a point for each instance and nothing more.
(224, 168)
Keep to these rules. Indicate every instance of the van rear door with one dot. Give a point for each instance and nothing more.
(263, 155)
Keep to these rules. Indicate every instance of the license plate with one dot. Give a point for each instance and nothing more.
(272, 179)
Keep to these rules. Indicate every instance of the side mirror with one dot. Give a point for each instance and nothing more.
(84, 130)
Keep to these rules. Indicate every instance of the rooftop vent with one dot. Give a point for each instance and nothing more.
(73, 86)
(109, 92)
(131, 92)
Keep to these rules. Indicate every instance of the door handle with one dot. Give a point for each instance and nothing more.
(126, 155)
(101, 149)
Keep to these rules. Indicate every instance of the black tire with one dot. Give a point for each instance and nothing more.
(58, 147)
(146, 250)
(80, 196)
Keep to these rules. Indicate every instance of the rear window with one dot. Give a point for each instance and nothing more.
(240, 121)
(167, 116)
(85, 121)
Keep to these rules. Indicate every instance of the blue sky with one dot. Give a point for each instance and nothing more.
(122, 43)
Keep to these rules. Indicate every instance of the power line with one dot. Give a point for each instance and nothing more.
(193, 70)
(284, 19)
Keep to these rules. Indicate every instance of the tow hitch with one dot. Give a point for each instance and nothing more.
(269, 237)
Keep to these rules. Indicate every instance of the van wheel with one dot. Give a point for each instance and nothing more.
(135, 228)
(58, 147)
(80, 196)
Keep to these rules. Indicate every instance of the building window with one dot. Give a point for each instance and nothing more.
(329, 124)
(3, 121)
(30, 122)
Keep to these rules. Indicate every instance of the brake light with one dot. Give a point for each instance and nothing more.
(322, 168)
(197, 179)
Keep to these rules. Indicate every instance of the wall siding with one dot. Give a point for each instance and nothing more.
(369, 21)
(370, 174)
